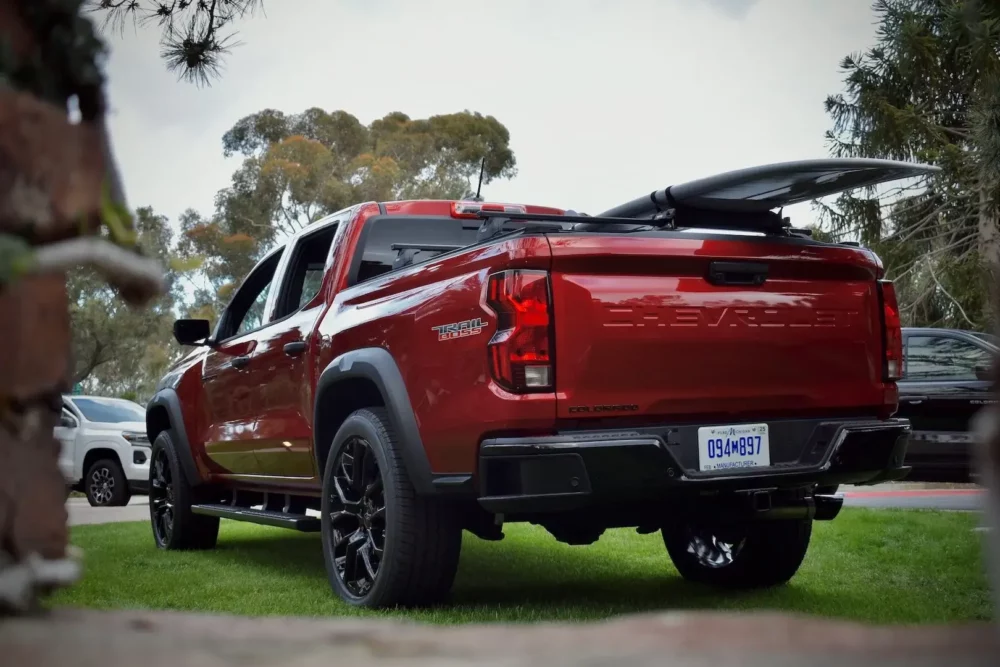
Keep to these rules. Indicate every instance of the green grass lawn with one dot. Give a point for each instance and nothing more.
(880, 566)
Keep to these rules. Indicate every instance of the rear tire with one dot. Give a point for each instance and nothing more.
(105, 484)
(762, 554)
(175, 526)
(383, 545)
(827, 490)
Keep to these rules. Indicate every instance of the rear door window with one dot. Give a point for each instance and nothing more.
(304, 274)
(930, 358)
(392, 243)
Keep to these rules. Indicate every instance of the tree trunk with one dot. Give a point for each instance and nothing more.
(986, 425)
(989, 247)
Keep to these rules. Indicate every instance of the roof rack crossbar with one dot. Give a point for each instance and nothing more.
(429, 247)
(676, 217)
(562, 219)
(493, 221)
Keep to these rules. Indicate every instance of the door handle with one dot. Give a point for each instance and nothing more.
(296, 348)
(239, 362)
(915, 400)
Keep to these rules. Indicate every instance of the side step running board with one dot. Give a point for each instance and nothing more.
(300, 522)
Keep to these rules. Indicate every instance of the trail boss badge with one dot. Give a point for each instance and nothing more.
(460, 329)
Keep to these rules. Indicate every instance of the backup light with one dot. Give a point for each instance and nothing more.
(537, 376)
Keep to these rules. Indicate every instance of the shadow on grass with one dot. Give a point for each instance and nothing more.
(550, 580)
(282, 552)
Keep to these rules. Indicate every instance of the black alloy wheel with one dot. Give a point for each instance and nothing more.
(751, 555)
(357, 516)
(161, 497)
(171, 497)
(711, 551)
(384, 545)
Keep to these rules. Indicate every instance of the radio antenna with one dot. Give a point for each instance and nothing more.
(479, 188)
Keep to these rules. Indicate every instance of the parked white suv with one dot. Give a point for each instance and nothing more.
(105, 451)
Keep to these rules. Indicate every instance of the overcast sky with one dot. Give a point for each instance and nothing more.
(605, 100)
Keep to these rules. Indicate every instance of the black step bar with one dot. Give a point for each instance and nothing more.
(300, 522)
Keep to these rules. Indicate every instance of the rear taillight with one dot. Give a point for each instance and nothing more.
(521, 351)
(892, 333)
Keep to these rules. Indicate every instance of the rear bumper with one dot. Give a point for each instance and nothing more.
(580, 469)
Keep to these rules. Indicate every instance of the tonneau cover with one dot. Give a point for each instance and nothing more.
(771, 186)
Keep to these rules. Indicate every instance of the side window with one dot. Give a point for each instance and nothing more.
(942, 358)
(246, 311)
(254, 317)
(304, 275)
(392, 243)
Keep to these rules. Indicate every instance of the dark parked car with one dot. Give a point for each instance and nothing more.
(945, 383)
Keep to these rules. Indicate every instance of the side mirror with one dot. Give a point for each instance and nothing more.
(67, 421)
(192, 332)
(984, 372)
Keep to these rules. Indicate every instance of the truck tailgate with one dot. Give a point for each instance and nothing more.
(661, 325)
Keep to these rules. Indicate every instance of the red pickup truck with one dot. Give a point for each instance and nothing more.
(399, 372)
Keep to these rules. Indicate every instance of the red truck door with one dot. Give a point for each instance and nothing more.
(230, 394)
(280, 366)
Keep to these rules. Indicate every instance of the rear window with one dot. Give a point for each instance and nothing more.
(384, 240)
(989, 338)
(943, 358)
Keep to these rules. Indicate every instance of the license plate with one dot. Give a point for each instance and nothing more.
(733, 447)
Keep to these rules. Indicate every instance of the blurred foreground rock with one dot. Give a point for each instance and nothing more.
(61, 208)
(163, 639)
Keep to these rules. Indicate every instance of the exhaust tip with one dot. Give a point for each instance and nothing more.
(827, 507)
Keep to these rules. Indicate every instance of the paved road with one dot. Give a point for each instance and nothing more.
(81, 513)
(968, 499)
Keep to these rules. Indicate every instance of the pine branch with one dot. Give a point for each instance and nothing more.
(93, 361)
(954, 301)
(192, 40)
